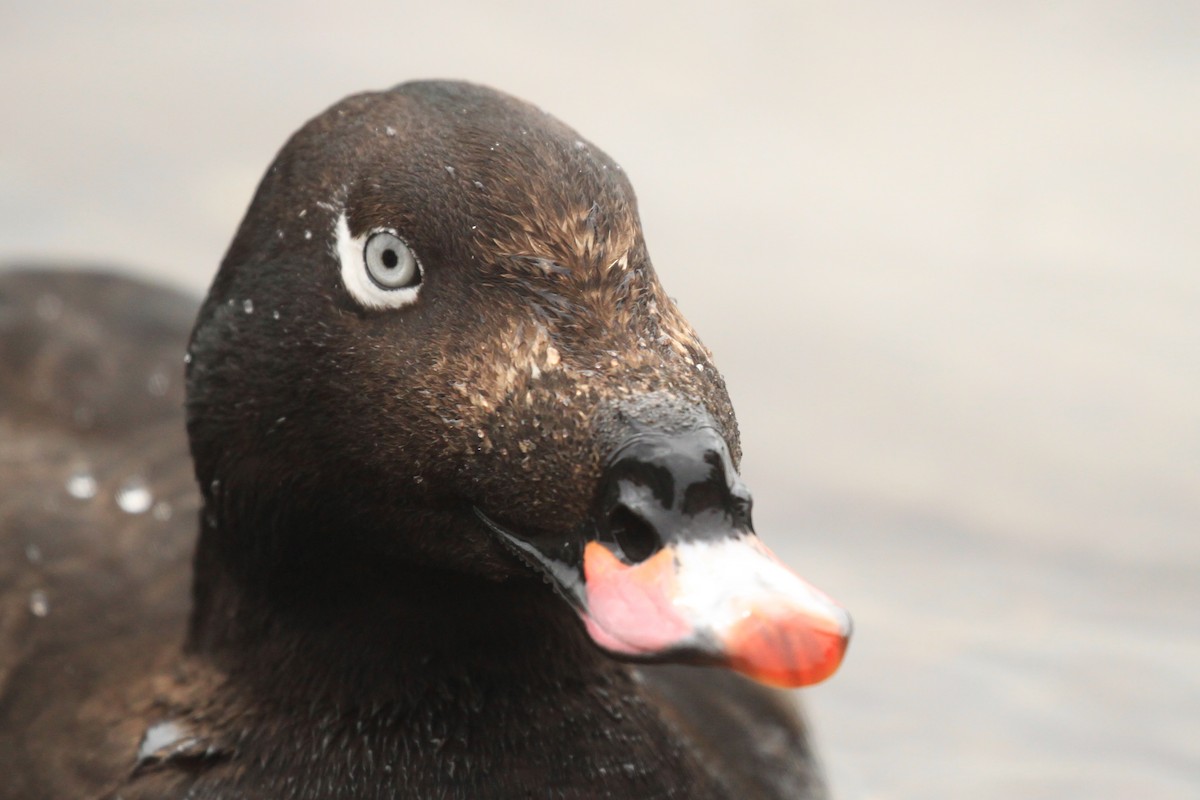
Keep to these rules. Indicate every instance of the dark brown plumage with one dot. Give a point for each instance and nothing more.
(356, 630)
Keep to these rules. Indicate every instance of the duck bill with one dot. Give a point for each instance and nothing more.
(728, 602)
(667, 568)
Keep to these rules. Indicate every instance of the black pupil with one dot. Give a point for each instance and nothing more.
(390, 259)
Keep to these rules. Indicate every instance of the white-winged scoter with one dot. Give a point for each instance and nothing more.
(469, 512)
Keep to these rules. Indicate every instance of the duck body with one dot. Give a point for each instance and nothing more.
(391, 475)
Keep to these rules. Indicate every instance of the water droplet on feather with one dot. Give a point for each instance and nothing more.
(39, 603)
(81, 485)
(134, 496)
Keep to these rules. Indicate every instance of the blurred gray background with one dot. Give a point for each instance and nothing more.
(947, 255)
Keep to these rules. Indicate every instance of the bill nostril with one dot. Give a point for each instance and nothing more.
(706, 496)
(636, 538)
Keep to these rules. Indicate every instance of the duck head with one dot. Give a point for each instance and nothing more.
(438, 338)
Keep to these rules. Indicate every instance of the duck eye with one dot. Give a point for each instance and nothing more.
(378, 269)
(390, 264)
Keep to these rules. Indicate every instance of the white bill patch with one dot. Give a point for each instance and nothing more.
(725, 581)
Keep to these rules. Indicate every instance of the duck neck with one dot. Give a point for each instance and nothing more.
(363, 626)
(409, 670)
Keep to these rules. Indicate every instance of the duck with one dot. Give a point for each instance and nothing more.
(435, 496)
